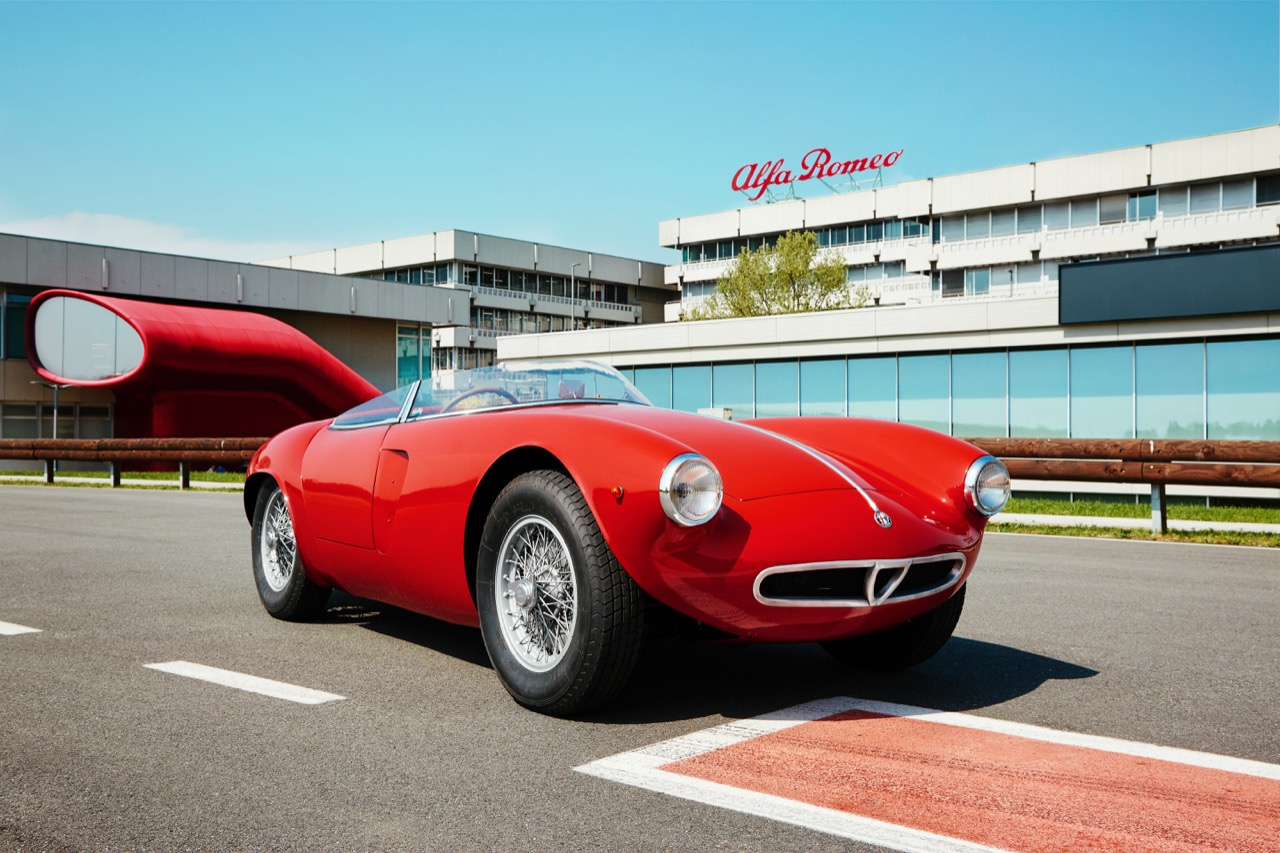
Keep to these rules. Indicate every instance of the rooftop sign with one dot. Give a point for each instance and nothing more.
(816, 164)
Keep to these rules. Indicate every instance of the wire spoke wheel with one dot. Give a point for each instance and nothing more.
(279, 550)
(537, 595)
(561, 620)
(279, 571)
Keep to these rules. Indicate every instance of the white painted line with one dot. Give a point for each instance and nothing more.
(642, 768)
(9, 629)
(251, 683)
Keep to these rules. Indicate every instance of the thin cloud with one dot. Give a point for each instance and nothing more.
(107, 229)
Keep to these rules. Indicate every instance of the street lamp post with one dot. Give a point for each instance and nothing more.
(573, 294)
(56, 388)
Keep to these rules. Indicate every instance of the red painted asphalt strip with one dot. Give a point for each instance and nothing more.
(999, 789)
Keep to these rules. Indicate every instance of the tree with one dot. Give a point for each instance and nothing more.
(781, 279)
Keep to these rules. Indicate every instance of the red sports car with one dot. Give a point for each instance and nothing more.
(551, 504)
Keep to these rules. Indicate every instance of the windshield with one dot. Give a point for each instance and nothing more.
(501, 386)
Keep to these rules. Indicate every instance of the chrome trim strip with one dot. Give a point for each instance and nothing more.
(876, 567)
(826, 460)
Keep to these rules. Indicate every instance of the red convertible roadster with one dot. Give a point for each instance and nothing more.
(552, 505)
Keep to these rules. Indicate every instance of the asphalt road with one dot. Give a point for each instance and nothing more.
(1170, 644)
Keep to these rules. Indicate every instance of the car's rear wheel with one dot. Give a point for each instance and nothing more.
(908, 644)
(562, 621)
(281, 577)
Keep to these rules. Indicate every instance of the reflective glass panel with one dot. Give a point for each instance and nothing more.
(690, 388)
(978, 395)
(408, 356)
(1172, 201)
(1170, 386)
(1038, 393)
(924, 391)
(777, 389)
(733, 387)
(1243, 383)
(873, 388)
(1102, 392)
(655, 383)
(822, 390)
(80, 340)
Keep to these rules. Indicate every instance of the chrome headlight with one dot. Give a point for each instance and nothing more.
(690, 490)
(986, 485)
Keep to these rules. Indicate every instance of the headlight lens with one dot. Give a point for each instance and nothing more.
(986, 485)
(690, 490)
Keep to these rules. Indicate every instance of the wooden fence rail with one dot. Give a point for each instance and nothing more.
(1157, 462)
(117, 451)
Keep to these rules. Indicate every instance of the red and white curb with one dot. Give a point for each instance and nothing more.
(916, 779)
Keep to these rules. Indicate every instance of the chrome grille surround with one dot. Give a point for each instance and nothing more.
(881, 580)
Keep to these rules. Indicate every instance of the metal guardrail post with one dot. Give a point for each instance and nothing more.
(115, 474)
(1159, 509)
(184, 472)
(50, 466)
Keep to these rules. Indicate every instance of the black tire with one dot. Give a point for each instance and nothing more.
(902, 646)
(562, 621)
(278, 571)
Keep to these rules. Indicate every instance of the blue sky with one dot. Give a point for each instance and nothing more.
(252, 130)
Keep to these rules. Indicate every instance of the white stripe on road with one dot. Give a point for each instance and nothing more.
(251, 683)
(9, 629)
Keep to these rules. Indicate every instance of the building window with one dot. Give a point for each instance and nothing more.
(873, 387)
(777, 389)
(1206, 198)
(15, 316)
(1170, 390)
(413, 353)
(924, 391)
(1030, 219)
(1172, 201)
(978, 389)
(977, 282)
(690, 388)
(19, 420)
(733, 387)
(1268, 190)
(1243, 389)
(1142, 205)
(655, 383)
(1237, 195)
(1102, 392)
(822, 387)
(1038, 393)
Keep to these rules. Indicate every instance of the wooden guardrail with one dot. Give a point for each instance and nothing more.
(1157, 462)
(117, 451)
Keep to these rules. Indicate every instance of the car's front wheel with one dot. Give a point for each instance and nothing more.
(562, 621)
(908, 644)
(282, 581)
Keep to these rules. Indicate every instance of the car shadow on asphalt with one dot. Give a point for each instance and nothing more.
(678, 680)
(456, 641)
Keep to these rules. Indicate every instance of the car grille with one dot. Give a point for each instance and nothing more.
(864, 583)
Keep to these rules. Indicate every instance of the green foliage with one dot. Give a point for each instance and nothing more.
(786, 278)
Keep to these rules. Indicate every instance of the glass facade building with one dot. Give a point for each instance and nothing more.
(1206, 389)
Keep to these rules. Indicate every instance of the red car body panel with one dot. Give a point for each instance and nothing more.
(383, 511)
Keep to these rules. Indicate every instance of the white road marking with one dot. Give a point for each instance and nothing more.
(642, 768)
(9, 629)
(251, 683)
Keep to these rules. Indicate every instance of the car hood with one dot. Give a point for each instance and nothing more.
(753, 462)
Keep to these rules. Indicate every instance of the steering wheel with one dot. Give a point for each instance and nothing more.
(500, 392)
